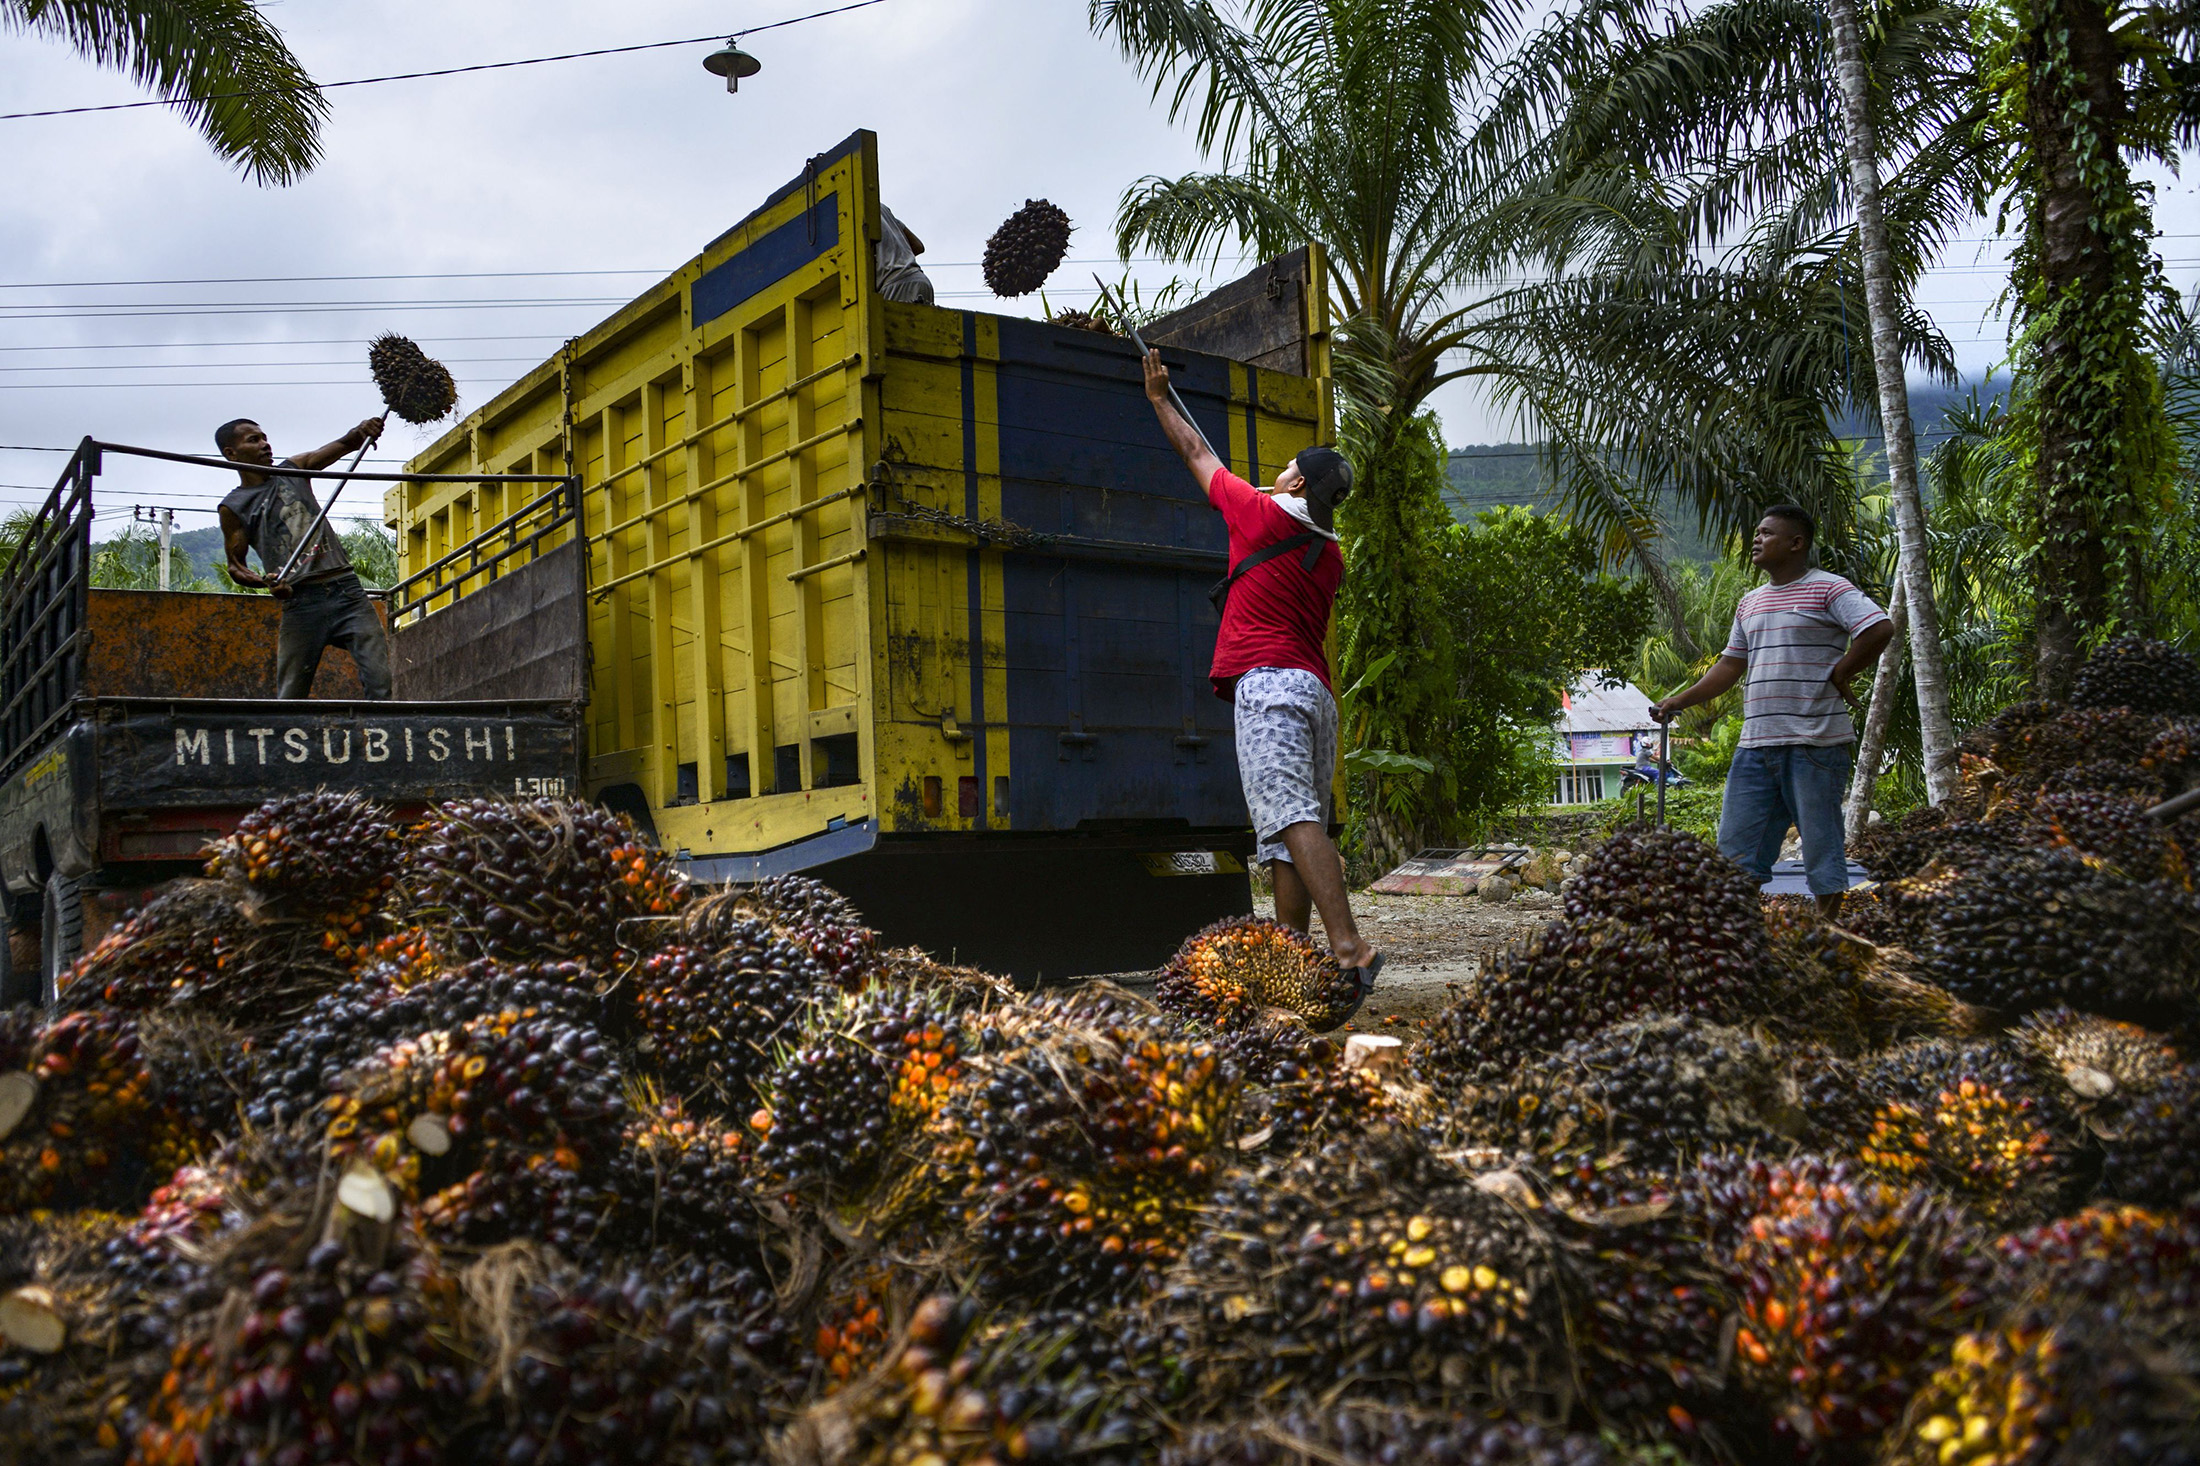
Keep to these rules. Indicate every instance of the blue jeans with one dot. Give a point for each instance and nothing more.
(1797, 784)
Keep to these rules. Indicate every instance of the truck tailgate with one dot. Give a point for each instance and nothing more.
(172, 753)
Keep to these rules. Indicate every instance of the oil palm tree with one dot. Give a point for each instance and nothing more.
(221, 62)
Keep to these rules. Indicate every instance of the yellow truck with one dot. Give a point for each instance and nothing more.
(910, 598)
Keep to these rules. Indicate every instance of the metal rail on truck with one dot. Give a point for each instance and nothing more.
(44, 587)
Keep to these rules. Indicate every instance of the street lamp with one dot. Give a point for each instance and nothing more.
(732, 63)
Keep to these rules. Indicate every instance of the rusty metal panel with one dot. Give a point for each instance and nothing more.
(1265, 319)
(1450, 872)
(523, 635)
(155, 643)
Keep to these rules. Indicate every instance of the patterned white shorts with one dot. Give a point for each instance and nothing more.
(1286, 751)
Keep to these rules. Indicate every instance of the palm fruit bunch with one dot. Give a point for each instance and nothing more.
(298, 1067)
(1026, 249)
(650, 1365)
(512, 1107)
(710, 1017)
(321, 849)
(536, 879)
(1074, 1154)
(88, 1320)
(333, 1359)
(1850, 1285)
(868, 1073)
(1913, 842)
(853, 1327)
(683, 1186)
(2035, 930)
(1225, 974)
(202, 1075)
(2150, 1142)
(404, 957)
(2086, 1060)
(2113, 830)
(1679, 889)
(1968, 1117)
(1651, 1324)
(1370, 1268)
(1309, 1436)
(820, 921)
(76, 1112)
(962, 1390)
(1298, 1089)
(2041, 1390)
(2132, 1096)
(2145, 1263)
(2031, 755)
(1655, 1091)
(414, 385)
(1081, 321)
(1568, 981)
(2141, 675)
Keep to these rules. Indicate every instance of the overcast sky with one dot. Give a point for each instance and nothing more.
(627, 163)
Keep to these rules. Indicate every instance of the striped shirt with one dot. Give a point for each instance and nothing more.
(1791, 635)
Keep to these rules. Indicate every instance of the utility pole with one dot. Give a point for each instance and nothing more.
(166, 519)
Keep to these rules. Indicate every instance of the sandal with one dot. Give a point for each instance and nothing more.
(1363, 983)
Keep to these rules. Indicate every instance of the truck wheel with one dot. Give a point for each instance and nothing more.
(19, 983)
(61, 934)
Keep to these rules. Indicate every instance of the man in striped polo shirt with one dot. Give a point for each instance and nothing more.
(1802, 638)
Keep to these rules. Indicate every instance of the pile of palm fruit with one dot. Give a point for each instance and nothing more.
(479, 1136)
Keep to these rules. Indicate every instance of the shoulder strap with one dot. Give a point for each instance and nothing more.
(1306, 538)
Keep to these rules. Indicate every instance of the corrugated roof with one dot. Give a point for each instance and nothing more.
(1591, 707)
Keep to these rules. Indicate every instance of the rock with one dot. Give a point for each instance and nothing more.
(1542, 872)
(1792, 847)
(1535, 900)
(1496, 890)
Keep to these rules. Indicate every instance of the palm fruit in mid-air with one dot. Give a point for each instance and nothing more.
(1073, 1157)
(1226, 974)
(1370, 1266)
(2033, 930)
(537, 879)
(1026, 249)
(413, 384)
(1810, 1238)
(2141, 675)
(711, 1018)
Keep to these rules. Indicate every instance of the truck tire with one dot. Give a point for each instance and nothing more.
(25, 984)
(61, 935)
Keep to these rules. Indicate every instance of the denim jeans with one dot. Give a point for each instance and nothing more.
(1797, 784)
(326, 613)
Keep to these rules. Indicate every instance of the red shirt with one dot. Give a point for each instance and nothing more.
(1278, 614)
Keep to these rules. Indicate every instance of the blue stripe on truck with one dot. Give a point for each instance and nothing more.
(772, 258)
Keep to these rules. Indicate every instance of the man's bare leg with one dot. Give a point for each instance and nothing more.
(1317, 871)
(1294, 904)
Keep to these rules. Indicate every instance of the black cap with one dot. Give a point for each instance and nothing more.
(1328, 482)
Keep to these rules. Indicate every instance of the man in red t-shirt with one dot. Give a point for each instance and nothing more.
(1272, 663)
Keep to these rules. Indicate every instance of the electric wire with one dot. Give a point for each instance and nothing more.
(368, 81)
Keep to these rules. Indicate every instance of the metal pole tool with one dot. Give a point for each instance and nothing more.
(278, 586)
(1138, 341)
(1665, 735)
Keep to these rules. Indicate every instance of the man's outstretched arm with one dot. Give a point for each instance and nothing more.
(368, 431)
(1182, 436)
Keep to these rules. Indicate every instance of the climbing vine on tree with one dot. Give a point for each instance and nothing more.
(2090, 431)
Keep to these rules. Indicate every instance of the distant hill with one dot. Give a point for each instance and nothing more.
(1489, 475)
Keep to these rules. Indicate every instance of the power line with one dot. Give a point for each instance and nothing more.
(202, 366)
(264, 341)
(368, 81)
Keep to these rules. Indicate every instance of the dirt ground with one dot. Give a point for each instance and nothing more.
(1434, 945)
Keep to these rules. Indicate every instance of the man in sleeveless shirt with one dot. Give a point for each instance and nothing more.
(324, 604)
(1803, 638)
(1272, 664)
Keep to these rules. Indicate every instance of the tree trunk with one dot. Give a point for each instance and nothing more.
(2075, 96)
(1871, 747)
(1914, 569)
